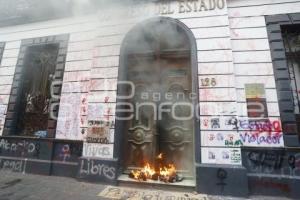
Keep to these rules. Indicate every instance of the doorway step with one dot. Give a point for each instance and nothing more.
(184, 185)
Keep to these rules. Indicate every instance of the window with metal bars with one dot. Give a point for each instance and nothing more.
(35, 94)
(291, 40)
(38, 74)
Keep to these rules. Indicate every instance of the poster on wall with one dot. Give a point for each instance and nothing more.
(256, 100)
(230, 156)
(255, 90)
(99, 131)
(69, 119)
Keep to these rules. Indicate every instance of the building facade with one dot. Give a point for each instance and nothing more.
(93, 90)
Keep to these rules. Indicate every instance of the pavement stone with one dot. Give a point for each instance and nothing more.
(16, 186)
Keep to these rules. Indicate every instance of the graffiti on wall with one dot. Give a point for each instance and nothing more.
(12, 165)
(100, 170)
(100, 122)
(98, 150)
(221, 176)
(67, 152)
(241, 124)
(244, 132)
(21, 148)
(23, 155)
(68, 124)
(26, 148)
(80, 115)
(272, 162)
(261, 139)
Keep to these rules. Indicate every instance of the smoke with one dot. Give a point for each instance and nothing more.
(113, 7)
(25, 11)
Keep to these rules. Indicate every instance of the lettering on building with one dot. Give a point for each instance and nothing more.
(188, 6)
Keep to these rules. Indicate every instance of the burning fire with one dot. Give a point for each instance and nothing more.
(160, 156)
(166, 173)
(146, 173)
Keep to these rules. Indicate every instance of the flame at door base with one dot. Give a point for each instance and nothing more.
(165, 173)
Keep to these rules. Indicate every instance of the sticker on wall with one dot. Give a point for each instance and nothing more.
(231, 156)
(98, 150)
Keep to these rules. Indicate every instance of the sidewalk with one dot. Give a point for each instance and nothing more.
(15, 186)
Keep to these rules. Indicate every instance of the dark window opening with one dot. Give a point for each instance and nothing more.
(291, 39)
(35, 89)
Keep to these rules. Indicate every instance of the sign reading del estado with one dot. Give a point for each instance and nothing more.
(188, 6)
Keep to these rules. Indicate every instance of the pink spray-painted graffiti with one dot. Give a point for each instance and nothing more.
(246, 132)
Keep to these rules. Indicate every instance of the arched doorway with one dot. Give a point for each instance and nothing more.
(159, 58)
